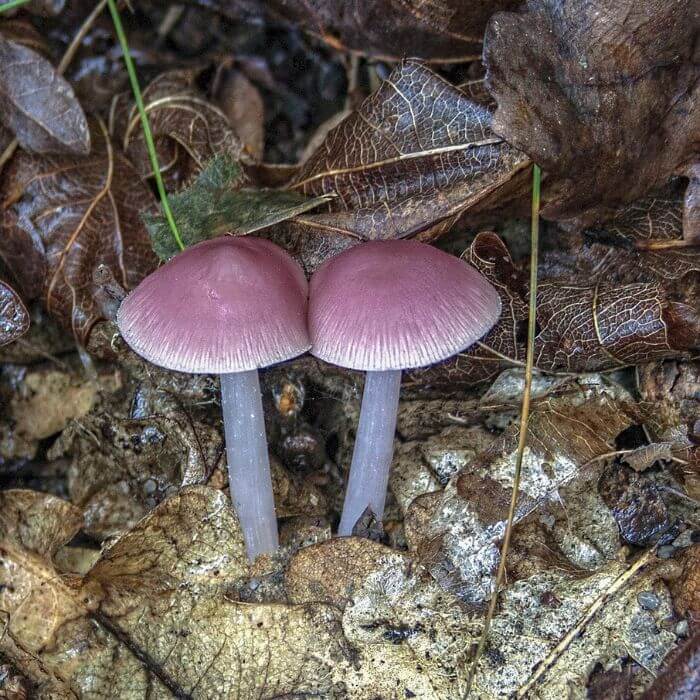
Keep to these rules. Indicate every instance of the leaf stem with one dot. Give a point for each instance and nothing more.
(11, 4)
(524, 419)
(147, 134)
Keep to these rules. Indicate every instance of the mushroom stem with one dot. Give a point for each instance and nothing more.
(249, 477)
(374, 448)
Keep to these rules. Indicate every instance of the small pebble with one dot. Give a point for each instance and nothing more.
(685, 539)
(681, 628)
(648, 600)
(666, 551)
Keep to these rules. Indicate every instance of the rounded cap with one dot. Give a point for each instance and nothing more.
(397, 304)
(225, 305)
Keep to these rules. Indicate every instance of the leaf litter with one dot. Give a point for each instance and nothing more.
(122, 565)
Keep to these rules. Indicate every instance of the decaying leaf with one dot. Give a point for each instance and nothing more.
(221, 200)
(602, 94)
(536, 616)
(14, 317)
(616, 249)
(39, 402)
(111, 634)
(565, 433)
(443, 30)
(120, 469)
(415, 155)
(62, 216)
(39, 106)
(188, 130)
(37, 522)
(582, 327)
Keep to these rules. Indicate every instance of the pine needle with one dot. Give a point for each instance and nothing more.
(147, 134)
(524, 419)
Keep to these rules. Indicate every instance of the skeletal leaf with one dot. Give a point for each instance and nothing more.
(621, 90)
(415, 155)
(39, 106)
(14, 317)
(221, 200)
(188, 129)
(63, 216)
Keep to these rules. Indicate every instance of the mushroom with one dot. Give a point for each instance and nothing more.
(382, 307)
(227, 306)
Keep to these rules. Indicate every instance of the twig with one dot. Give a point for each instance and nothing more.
(145, 125)
(575, 631)
(524, 419)
(78, 38)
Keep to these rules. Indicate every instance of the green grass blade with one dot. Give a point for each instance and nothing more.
(11, 4)
(147, 134)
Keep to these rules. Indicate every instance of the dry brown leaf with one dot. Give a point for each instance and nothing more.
(603, 94)
(39, 106)
(37, 522)
(14, 317)
(414, 156)
(441, 30)
(616, 249)
(241, 102)
(155, 616)
(39, 403)
(333, 571)
(62, 216)
(582, 327)
(188, 130)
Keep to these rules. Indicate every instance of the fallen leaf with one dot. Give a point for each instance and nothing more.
(602, 94)
(14, 317)
(538, 614)
(414, 156)
(680, 676)
(581, 327)
(242, 103)
(39, 403)
(62, 216)
(155, 614)
(39, 106)
(188, 130)
(670, 399)
(120, 469)
(37, 522)
(460, 547)
(446, 30)
(615, 249)
(221, 200)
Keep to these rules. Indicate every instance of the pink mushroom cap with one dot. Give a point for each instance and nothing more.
(397, 304)
(225, 305)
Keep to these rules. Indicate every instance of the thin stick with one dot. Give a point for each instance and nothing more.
(620, 582)
(524, 418)
(145, 125)
(78, 38)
